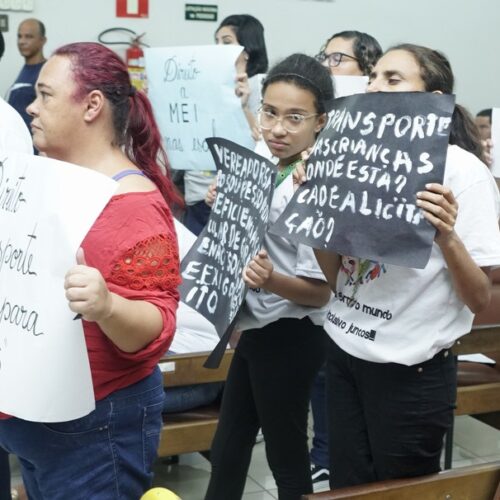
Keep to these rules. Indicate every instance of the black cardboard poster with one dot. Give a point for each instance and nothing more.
(212, 270)
(375, 153)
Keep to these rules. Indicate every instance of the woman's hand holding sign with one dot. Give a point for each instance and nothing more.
(87, 292)
(211, 194)
(242, 89)
(440, 208)
(299, 174)
(259, 270)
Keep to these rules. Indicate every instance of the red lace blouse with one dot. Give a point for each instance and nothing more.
(134, 245)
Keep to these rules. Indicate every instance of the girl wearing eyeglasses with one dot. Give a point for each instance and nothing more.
(350, 53)
(282, 345)
(391, 398)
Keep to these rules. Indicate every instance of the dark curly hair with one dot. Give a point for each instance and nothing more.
(366, 49)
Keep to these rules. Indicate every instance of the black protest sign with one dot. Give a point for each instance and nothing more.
(375, 153)
(212, 269)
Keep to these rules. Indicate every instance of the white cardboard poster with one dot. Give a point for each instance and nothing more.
(192, 93)
(14, 135)
(46, 209)
(349, 85)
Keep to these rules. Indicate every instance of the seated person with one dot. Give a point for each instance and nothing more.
(194, 333)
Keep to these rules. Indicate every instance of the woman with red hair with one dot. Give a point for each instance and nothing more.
(124, 287)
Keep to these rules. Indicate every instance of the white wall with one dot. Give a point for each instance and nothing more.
(466, 31)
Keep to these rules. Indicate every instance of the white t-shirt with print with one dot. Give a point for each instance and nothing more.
(262, 307)
(405, 315)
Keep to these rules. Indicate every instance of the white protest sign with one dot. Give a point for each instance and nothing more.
(46, 209)
(495, 138)
(345, 85)
(14, 135)
(192, 93)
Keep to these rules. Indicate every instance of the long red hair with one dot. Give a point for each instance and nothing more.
(95, 67)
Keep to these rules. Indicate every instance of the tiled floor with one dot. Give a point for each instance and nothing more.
(474, 442)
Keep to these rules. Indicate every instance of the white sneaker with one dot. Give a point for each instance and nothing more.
(320, 478)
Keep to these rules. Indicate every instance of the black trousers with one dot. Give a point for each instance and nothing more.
(387, 420)
(268, 385)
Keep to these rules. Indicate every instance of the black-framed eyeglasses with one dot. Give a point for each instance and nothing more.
(292, 122)
(334, 58)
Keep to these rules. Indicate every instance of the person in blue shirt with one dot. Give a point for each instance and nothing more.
(30, 42)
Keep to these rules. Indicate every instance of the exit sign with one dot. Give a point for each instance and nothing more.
(201, 12)
(132, 8)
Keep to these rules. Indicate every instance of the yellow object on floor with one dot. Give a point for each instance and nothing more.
(159, 494)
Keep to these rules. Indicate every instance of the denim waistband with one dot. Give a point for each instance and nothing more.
(138, 391)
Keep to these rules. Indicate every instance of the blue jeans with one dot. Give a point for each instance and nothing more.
(106, 455)
(187, 397)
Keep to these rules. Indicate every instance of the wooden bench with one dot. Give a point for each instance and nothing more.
(478, 392)
(193, 430)
(479, 389)
(477, 482)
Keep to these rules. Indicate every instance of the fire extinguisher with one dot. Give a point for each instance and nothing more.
(135, 63)
(134, 56)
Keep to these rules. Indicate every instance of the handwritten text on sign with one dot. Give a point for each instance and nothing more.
(192, 92)
(46, 208)
(212, 269)
(375, 153)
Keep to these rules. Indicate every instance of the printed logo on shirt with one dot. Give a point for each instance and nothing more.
(360, 271)
(352, 328)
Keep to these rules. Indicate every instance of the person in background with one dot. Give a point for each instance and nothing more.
(483, 122)
(391, 401)
(348, 53)
(124, 285)
(252, 64)
(30, 42)
(193, 333)
(247, 31)
(282, 345)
